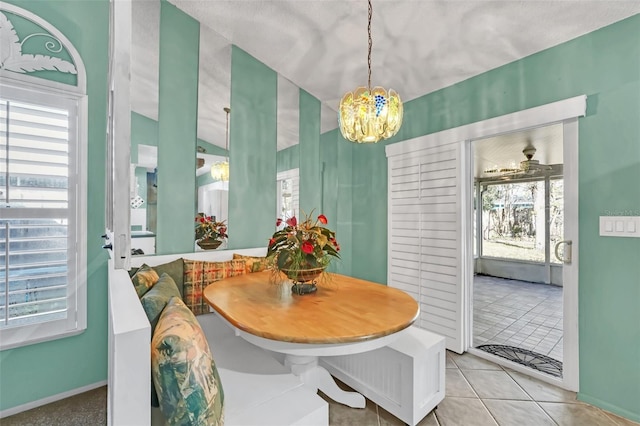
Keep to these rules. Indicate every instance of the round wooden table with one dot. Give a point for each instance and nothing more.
(345, 316)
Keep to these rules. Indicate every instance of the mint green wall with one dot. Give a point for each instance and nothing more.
(211, 148)
(42, 370)
(252, 151)
(336, 159)
(604, 65)
(332, 189)
(177, 125)
(310, 179)
(288, 158)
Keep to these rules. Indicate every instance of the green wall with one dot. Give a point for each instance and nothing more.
(310, 180)
(252, 151)
(604, 65)
(335, 197)
(288, 158)
(41, 370)
(177, 129)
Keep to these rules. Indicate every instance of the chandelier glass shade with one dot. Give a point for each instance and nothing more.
(367, 115)
(370, 115)
(220, 170)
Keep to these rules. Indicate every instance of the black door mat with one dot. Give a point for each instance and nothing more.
(528, 358)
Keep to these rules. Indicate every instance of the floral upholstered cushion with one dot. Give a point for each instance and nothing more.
(144, 278)
(157, 298)
(183, 370)
(253, 263)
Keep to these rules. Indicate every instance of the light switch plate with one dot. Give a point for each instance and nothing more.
(620, 226)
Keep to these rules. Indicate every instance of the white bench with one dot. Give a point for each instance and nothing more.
(258, 389)
(406, 377)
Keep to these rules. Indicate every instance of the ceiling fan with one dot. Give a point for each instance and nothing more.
(526, 168)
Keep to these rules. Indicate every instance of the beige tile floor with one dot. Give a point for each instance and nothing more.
(517, 313)
(479, 393)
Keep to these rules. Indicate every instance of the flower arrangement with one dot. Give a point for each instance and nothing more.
(210, 229)
(303, 245)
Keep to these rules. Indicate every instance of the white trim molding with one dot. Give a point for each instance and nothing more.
(554, 112)
(38, 62)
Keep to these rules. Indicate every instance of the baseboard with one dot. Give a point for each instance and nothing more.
(609, 407)
(53, 398)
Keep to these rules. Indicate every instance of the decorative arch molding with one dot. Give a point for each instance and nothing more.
(17, 64)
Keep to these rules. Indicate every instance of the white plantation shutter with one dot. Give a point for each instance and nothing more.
(425, 242)
(38, 218)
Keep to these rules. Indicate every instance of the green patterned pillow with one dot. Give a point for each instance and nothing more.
(144, 278)
(183, 370)
(157, 298)
(175, 270)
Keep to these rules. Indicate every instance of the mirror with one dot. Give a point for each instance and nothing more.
(214, 94)
(287, 163)
(214, 87)
(145, 45)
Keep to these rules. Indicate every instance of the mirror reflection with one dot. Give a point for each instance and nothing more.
(214, 85)
(214, 95)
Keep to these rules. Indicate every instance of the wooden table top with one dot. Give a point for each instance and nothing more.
(344, 309)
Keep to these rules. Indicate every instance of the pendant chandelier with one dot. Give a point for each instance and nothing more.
(220, 170)
(367, 115)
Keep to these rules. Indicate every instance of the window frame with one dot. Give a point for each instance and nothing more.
(54, 94)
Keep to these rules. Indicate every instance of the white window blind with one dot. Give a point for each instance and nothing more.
(425, 242)
(38, 218)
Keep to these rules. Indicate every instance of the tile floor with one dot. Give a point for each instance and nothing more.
(479, 392)
(517, 313)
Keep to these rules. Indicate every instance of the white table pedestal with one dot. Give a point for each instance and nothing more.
(316, 377)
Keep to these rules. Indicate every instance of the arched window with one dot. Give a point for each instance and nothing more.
(43, 175)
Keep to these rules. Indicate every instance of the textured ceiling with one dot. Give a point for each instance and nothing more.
(419, 46)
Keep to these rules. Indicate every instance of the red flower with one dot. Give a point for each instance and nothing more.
(272, 241)
(202, 220)
(278, 222)
(307, 247)
(323, 219)
(292, 221)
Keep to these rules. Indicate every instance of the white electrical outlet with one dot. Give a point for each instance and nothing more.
(620, 226)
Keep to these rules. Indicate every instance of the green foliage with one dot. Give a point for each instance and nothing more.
(304, 245)
(209, 228)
